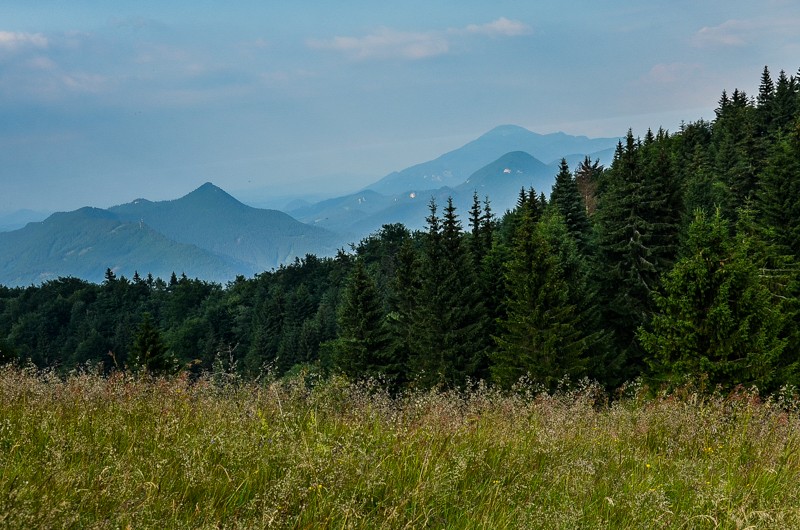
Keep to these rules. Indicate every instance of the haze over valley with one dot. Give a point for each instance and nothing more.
(210, 235)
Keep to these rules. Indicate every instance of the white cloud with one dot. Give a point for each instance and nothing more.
(84, 82)
(41, 63)
(502, 27)
(664, 73)
(387, 43)
(10, 40)
(729, 33)
(735, 33)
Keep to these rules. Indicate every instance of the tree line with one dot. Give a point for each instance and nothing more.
(677, 262)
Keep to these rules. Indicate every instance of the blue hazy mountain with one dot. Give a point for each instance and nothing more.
(453, 168)
(15, 220)
(496, 165)
(85, 242)
(206, 234)
(213, 220)
(357, 215)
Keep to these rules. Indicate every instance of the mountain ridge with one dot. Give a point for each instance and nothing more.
(206, 233)
(454, 167)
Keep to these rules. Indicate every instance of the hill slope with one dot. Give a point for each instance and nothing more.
(85, 242)
(213, 220)
(453, 168)
(206, 234)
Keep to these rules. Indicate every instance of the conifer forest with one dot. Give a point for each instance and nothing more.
(678, 262)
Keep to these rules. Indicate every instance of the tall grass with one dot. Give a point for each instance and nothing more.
(88, 451)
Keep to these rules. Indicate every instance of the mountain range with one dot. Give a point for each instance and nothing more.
(211, 235)
(496, 165)
(207, 234)
(453, 168)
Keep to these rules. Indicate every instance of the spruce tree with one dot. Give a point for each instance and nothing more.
(541, 334)
(785, 103)
(587, 180)
(716, 319)
(362, 346)
(403, 304)
(778, 195)
(662, 201)
(149, 352)
(452, 344)
(765, 104)
(567, 199)
(628, 275)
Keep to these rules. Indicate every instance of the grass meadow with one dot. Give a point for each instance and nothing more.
(124, 451)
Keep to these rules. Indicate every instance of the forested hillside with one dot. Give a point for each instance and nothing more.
(679, 261)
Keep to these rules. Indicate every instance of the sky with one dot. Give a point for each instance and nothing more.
(105, 102)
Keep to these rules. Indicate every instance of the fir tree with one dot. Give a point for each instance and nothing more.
(567, 199)
(149, 352)
(540, 335)
(716, 318)
(452, 344)
(587, 180)
(363, 340)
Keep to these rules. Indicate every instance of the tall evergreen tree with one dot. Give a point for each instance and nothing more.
(362, 346)
(451, 345)
(403, 304)
(778, 195)
(541, 334)
(663, 200)
(786, 102)
(149, 352)
(629, 275)
(567, 199)
(587, 179)
(716, 318)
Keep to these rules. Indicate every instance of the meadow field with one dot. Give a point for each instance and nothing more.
(125, 451)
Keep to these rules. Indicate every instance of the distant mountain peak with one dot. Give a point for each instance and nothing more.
(514, 156)
(209, 194)
(508, 130)
(210, 186)
(208, 189)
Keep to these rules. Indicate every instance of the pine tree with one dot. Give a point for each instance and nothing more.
(587, 180)
(540, 335)
(716, 318)
(149, 352)
(567, 199)
(362, 346)
(449, 316)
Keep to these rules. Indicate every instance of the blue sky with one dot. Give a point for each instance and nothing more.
(104, 102)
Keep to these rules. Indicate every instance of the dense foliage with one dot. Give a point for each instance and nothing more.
(679, 261)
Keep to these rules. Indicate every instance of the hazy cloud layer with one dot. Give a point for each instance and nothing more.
(102, 102)
(738, 33)
(387, 43)
(11, 41)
